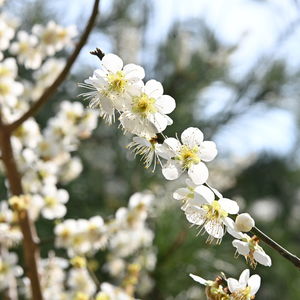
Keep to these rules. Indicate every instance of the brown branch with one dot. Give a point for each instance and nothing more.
(61, 77)
(30, 239)
(282, 251)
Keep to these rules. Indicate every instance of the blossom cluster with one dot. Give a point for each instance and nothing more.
(32, 51)
(83, 238)
(46, 161)
(143, 111)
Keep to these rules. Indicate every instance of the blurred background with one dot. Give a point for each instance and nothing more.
(233, 67)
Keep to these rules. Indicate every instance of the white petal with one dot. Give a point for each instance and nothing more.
(195, 215)
(112, 62)
(159, 121)
(208, 151)
(169, 120)
(153, 88)
(141, 141)
(262, 258)
(242, 247)
(199, 279)
(254, 283)
(101, 75)
(134, 90)
(63, 195)
(166, 104)
(181, 193)
(134, 72)
(198, 173)
(171, 170)
(233, 285)
(192, 136)
(173, 144)
(214, 229)
(244, 277)
(204, 194)
(130, 124)
(164, 151)
(229, 206)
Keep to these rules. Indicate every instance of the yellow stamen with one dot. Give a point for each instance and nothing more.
(78, 262)
(215, 211)
(50, 201)
(143, 105)
(188, 156)
(117, 82)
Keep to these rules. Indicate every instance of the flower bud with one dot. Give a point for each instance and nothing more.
(244, 222)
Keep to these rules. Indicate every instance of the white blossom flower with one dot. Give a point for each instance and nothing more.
(245, 288)
(54, 202)
(54, 37)
(8, 268)
(28, 133)
(7, 32)
(26, 50)
(112, 85)
(250, 249)
(214, 289)
(8, 68)
(188, 156)
(65, 232)
(97, 232)
(211, 215)
(10, 90)
(53, 275)
(147, 111)
(10, 234)
(79, 280)
(115, 265)
(70, 170)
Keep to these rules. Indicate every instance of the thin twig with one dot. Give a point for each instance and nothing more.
(61, 77)
(282, 251)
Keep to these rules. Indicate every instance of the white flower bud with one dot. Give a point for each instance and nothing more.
(244, 222)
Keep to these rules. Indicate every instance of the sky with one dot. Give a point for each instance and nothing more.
(258, 24)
